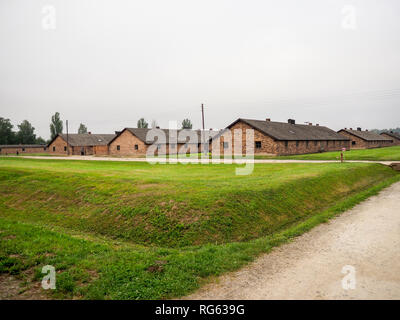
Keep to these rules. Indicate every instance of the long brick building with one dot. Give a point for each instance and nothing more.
(22, 149)
(80, 144)
(280, 138)
(365, 139)
(392, 135)
(137, 141)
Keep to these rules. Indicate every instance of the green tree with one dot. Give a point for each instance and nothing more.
(142, 123)
(40, 140)
(7, 135)
(187, 124)
(56, 125)
(26, 133)
(82, 128)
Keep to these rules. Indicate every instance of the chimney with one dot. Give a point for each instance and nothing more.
(310, 123)
(358, 129)
(317, 124)
(291, 121)
(210, 129)
(268, 119)
(157, 127)
(345, 128)
(366, 129)
(89, 132)
(351, 128)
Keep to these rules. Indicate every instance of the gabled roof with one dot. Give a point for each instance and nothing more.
(22, 146)
(291, 132)
(392, 134)
(366, 135)
(182, 135)
(86, 139)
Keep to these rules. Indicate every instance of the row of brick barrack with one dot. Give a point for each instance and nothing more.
(267, 138)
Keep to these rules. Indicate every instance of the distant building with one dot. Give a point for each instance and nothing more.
(22, 148)
(80, 144)
(392, 135)
(281, 138)
(365, 139)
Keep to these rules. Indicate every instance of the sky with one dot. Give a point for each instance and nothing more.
(107, 63)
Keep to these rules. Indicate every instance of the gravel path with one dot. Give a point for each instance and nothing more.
(366, 238)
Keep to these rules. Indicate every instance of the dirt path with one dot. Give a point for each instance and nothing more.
(183, 160)
(366, 237)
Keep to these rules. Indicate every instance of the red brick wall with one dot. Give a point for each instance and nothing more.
(358, 143)
(13, 150)
(58, 144)
(127, 141)
(396, 142)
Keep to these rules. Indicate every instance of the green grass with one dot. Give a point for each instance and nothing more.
(377, 154)
(117, 230)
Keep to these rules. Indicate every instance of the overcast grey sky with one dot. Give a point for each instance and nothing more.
(109, 62)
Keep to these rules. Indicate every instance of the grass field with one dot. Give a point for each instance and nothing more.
(377, 154)
(132, 230)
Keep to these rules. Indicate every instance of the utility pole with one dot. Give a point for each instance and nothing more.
(67, 138)
(203, 133)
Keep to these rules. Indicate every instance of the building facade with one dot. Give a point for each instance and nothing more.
(365, 139)
(141, 141)
(278, 138)
(22, 149)
(80, 144)
(393, 136)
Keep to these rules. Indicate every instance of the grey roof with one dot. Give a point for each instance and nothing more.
(22, 145)
(87, 139)
(292, 132)
(182, 135)
(366, 135)
(392, 134)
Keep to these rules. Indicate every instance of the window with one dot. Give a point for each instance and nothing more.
(136, 147)
(44, 148)
(286, 144)
(315, 143)
(226, 145)
(159, 147)
(307, 143)
(173, 145)
(327, 143)
(258, 144)
(353, 143)
(118, 148)
(23, 149)
(65, 148)
(297, 143)
(0, 149)
(334, 142)
(54, 149)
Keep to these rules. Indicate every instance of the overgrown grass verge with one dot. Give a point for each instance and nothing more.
(104, 265)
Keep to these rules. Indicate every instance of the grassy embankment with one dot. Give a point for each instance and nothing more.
(139, 231)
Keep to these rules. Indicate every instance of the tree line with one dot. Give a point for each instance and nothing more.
(25, 133)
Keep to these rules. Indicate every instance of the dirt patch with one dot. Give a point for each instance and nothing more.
(12, 288)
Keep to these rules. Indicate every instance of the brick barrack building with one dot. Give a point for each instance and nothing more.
(392, 135)
(366, 139)
(280, 138)
(80, 144)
